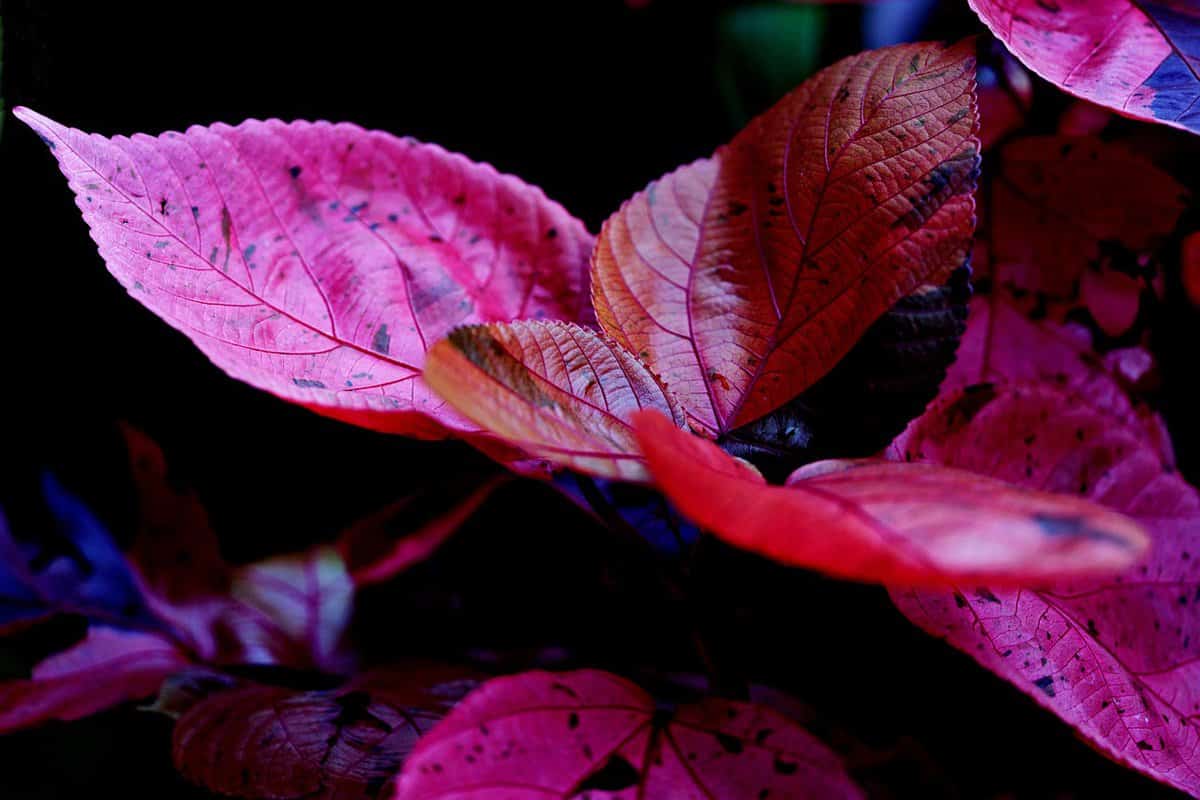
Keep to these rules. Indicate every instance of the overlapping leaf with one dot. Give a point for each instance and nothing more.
(262, 741)
(888, 522)
(106, 668)
(1116, 659)
(76, 568)
(555, 390)
(1058, 231)
(1141, 58)
(592, 734)
(318, 261)
(743, 278)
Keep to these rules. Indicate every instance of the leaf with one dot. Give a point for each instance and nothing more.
(345, 744)
(1058, 232)
(107, 668)
(1116, 659)
(592, 734)
(1137, 57)
(743, 278)
(1003, 344)
(556, 390)
(292, 610)
(405, 533)
(886, 380)
(888, 522)
(318, 261)
(175, 550)
(74, 569)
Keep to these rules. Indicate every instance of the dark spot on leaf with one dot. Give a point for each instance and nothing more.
(294, 171)
(730, 744)
(616, 774)
(784, 767)
(1046, 684)
(305, 383)
(381, 341)
(572, 721)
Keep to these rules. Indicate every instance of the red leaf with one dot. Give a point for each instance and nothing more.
(1119, 659)
(743, 278)
(1140, 59)
(318, 261)
(555, 390)
(592, 734)
(175, 551)
(407, 532)
(263, 741)
(1059, 232)
(108, 667)
(888, 522)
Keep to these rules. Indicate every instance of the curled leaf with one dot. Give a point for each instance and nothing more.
(555, 390)
(592, 734)
(319, 262)
(1141, 59)
(888, 522)
(744, 278)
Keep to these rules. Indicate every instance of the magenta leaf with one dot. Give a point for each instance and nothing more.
(319, 262)
(1117, 659)
(106, 668)
(1141, 58)
(591, 734)
(263, 741)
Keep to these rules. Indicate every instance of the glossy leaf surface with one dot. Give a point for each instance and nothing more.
(888, 522)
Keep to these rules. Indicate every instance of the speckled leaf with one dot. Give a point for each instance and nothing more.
(106, 668)
(75, 568)
(1141, 58)
(1119, 659)
(319, 261)
(591, 734)
(1059, 232)
(268, 742)
(1003, 344)
(743, 278)
(888, 522)
(555, 390)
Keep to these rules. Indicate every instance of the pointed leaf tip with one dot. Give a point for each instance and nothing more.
(879, 521)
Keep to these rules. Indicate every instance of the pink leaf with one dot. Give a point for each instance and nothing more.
(107, 668)
(743, 278)
(1116, 659)
(263, 741)
(555, 390)
(319, 261)
(1141, 59)
(888, 522)
(1002, 344)
(592, 734)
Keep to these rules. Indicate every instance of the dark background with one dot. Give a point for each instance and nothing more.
(589, 100)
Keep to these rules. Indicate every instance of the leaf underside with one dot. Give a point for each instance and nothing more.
(319, 262)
